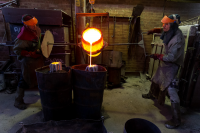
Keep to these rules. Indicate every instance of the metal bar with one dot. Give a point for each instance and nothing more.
(7, 3)
(114, 20)
(160, 53)
(143, 43)
(50, 54)
(108, 26)
(12, 73)
(91, 14)
(129, 35)
(10, 45)
(101, 22)
(59, 53)
(60, 45)
(120, 17)
(164, 5)
(154, 61)
(3, 44)
(124, 44)
(64, 44)
(145, 55)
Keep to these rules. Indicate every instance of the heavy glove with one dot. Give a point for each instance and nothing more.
(157, 56)
(30, 54)
(155, 30)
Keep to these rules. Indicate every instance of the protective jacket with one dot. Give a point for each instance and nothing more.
(172, 59)
(28, 64)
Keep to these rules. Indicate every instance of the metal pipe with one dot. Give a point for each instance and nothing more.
(3, 44)
(143, 43)
(8, 3)
(59, 53)
(64, 44)
(160, 53)
(91, 14)
(61, 45)
(124, 44)
(154, 61)
(50, 54)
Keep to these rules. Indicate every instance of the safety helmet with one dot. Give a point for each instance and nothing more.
(174, 18)
(29, 20)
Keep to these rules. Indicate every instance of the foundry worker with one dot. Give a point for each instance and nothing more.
(27, 48)
(164, 80)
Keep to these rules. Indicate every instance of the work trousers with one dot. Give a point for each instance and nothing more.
(173, 91)
(22, 83)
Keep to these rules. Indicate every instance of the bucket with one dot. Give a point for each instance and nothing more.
(55, 93)
(88, 88)
(138, 125)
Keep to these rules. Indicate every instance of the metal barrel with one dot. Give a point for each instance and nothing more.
(137, 125)
(55, 92)
(88, 88)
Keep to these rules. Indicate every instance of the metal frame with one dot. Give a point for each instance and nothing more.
(192, 21)
(7, 4)
(90, 15)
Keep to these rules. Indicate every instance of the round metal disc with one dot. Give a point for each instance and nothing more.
(46, 49)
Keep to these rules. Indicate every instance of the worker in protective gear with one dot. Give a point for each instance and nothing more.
(27, 48)
(164, 80)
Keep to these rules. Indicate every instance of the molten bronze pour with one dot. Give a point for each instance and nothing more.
(92, 68)
(92, 43)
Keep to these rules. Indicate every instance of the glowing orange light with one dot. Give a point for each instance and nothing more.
(92, 37)
(55, 63)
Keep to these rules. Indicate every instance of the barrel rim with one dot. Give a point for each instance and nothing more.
(44, 67)
(86, 66)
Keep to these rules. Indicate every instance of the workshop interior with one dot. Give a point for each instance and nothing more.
(100, 66)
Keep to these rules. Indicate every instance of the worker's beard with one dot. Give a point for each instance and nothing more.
(36, 31)
(167, 36)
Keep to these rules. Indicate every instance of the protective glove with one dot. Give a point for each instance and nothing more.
(155, 30)
(157, 56)
(30, 54)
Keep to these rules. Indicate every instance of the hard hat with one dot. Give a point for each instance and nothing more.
(174, 18)
(29, 20)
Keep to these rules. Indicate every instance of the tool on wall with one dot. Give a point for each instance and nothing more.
(129, 35)
(134, 29)
(114, 20)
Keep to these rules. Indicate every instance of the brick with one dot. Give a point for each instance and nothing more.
(150, 18)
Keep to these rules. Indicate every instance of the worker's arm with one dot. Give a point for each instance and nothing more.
(174, 52)
(20, 49)
(155, 30)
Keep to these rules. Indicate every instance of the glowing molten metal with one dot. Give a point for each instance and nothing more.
(92, 41)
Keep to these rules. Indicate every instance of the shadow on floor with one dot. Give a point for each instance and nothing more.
(165, 109)
(38, 117)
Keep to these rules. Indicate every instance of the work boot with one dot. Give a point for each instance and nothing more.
(148, 96)
(19, 101)
(176, 119)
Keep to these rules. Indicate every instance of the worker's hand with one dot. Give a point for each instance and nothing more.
(157, 56)
(30, 54)
(155, 30)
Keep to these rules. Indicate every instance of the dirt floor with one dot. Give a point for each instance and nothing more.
(119, 105)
